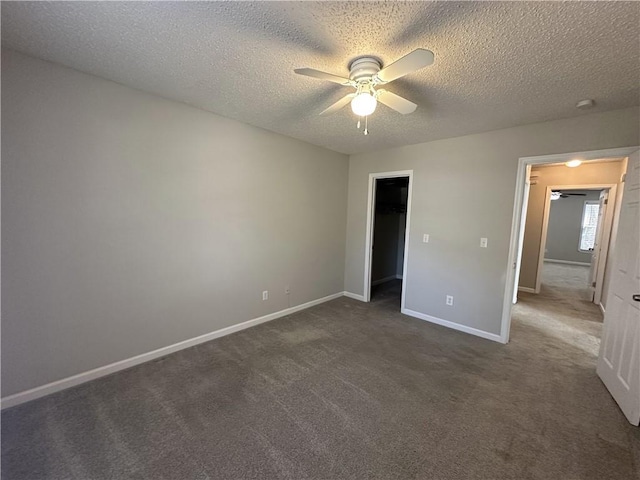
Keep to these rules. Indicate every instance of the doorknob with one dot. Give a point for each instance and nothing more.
(636, 297)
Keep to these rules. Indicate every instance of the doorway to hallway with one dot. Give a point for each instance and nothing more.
(577, 224)
(563, 316)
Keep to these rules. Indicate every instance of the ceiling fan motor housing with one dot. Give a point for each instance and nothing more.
(363, 68)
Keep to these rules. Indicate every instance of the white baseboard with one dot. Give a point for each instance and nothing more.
(567, 262)
(49, 388)
(601, 308)
(384, 280)
(355, 296)
(454, 326)
(527, 290)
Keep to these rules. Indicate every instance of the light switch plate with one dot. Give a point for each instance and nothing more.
(483, 242)
(425, 238)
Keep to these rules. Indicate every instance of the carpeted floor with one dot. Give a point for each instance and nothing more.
(563, 308)
(344, 390)
(388, 292)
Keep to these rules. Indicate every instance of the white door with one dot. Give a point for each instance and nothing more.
(595, 251)
(619, 359)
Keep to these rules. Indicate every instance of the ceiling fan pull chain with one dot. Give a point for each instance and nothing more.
(366, 125)
(358, 124)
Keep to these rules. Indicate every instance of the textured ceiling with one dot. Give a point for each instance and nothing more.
(498, 64)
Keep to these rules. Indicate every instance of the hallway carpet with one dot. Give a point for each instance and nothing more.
(344, 390)
(563, 308)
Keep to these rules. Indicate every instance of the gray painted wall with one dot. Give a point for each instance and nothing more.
(565, 224)
(554, 175)
(464, 189)
(131, 222)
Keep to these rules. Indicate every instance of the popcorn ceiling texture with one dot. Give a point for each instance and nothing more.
(498, 64)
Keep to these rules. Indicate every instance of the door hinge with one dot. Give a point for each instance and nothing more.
(606, 201)
(593, 284)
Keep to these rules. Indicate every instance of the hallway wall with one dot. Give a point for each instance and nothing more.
(565, 227)
(545, 175)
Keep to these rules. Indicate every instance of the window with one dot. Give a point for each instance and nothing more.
(589, 226)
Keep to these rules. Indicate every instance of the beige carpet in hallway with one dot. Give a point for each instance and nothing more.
(563, 308)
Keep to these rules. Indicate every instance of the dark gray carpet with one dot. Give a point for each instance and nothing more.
(342, 390)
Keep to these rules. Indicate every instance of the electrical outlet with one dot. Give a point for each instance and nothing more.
(449, 300)
(265, 295)
(287, 290)
(483, 242)
(425, 238)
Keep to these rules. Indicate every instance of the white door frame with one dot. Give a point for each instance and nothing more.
(523, 214)
(602, 243)
(369, 235)
(606, 223)
(516, 219)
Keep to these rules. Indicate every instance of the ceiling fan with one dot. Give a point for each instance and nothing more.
(560, 194)
(365, 75)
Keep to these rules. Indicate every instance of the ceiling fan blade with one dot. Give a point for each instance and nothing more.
(411, 62)
(310, 72)
(338, 105)
(396, 102)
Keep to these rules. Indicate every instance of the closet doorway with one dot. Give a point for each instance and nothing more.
(387, 228)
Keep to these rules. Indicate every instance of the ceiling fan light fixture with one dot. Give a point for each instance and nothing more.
(573, 163)
(365, 74)
(364, 104)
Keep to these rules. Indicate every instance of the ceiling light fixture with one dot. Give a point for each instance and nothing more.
(364, 104)
(573, 163)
